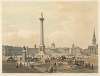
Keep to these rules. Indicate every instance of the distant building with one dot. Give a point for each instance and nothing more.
(67, 51)
(11, 50)
(75, 50)
(53, 45)
(93, 48)
(85, 52)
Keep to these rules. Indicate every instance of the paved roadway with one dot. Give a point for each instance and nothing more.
(11, 68)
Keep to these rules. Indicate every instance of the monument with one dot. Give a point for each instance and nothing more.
(23, 61)
(42, 46)
(41, 53)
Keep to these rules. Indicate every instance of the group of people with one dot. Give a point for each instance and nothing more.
(89, 66)
(55, 61)
(52, 68)
(18, 63)
(73, 61)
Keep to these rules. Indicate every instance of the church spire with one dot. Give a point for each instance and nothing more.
(94, 38)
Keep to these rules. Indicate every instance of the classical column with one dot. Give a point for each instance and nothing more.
(42, 46)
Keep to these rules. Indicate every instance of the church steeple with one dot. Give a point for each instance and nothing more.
(94, 38)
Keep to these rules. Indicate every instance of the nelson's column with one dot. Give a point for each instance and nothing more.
(42, 45)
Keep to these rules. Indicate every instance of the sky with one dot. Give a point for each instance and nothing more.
(65, 23)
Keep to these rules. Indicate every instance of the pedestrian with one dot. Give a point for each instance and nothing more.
(92, 66)
(16, 65)
(89, 65)
(86, 65)
(51, 69)
(55, 66)
(20, 64)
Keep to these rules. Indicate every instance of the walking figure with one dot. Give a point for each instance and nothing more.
(16, 65)
(51, 69)
(92, 66)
